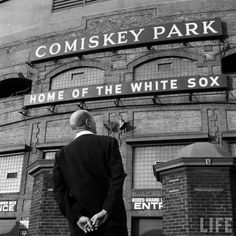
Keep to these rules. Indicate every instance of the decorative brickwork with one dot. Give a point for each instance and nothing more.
(45, 218)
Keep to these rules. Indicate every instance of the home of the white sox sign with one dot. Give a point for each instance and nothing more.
(129, 89)
(133, 37)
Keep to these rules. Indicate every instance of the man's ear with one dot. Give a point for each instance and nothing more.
(88, 123)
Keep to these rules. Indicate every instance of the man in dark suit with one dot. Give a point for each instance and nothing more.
(88, 178)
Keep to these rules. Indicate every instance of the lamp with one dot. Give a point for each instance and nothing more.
(52, 109)
(20, 75)
(82, 106)
(24, 112)
(123, 124)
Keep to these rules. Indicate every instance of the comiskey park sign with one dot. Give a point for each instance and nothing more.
(128, 89)
(134, 37)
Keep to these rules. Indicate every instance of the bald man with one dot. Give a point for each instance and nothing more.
(88, 177)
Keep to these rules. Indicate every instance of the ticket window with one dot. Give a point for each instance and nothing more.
(147, 227)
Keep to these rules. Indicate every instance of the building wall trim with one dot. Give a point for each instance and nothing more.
(14, 148)
(189, 138)
(167, 53)
(77, 64)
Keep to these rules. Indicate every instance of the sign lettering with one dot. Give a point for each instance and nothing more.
(216, 225)
(148, 35)
(8, 206)
(129, 89)
(142, 203)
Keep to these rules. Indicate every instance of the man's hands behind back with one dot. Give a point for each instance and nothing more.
(89, 225)
(99, 218)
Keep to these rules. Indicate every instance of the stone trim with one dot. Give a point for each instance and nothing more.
(39, 166)
(168, 53)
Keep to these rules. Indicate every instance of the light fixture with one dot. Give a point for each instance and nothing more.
(24, 112)
(150, 48)
(52, 109)
(156, 100)
(118, 102)
(123, 125)
(20, 75)
(82, 106)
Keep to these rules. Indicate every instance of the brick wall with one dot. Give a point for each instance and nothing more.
(45, 218)
(175, 208)
(233, 196)
(210, 206)
(199, 201)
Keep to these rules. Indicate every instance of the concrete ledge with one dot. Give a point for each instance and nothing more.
(181, 138)
(43, 146)
(14, 148)
(40, 166)
(158, 168)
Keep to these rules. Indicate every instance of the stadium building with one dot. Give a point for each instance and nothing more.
(157, 75)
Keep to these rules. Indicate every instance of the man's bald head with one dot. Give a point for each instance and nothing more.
(82, 120)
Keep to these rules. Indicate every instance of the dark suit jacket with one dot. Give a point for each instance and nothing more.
(88, 176)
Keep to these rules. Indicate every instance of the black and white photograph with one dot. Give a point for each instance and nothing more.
(117, 118)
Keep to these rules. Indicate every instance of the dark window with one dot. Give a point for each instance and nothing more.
(62, 4)
(14, 87)
(12, 175)
(147, 227)
(228, 64)
(164, 66)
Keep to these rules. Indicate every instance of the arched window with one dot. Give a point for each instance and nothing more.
(14, 87)
(167, 67)
(228, 64)
(83, 76)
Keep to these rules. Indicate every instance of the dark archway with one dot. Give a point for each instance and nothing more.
(14, 87)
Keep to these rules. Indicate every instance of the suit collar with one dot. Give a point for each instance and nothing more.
(83, 133)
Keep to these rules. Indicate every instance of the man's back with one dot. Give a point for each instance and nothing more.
(88, 164)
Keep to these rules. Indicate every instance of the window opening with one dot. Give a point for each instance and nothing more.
(164, 66)
(143, 160)
(64, 4)
(147, 226)
(49, 155)
(14, 87)
(83, 76)
(228, 64)
(168, 68)
(12, 175)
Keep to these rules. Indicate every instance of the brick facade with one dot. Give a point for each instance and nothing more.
(164, 120)
(45, 216)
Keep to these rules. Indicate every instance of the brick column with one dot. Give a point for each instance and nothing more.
(45, 218)
(198, 196)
